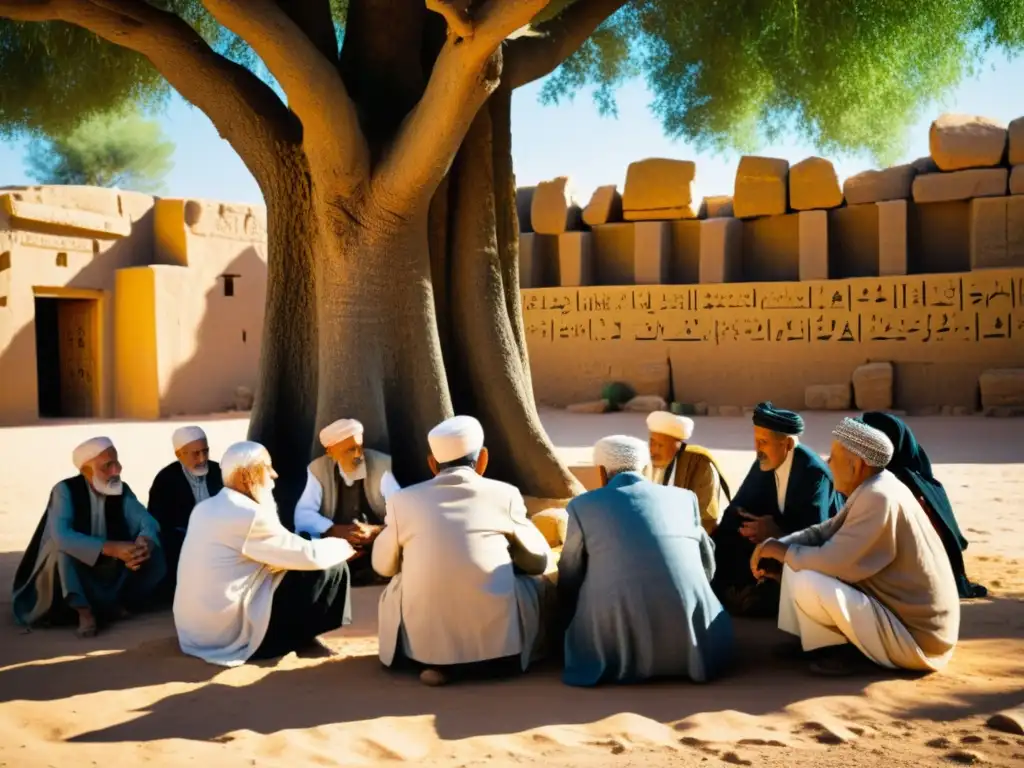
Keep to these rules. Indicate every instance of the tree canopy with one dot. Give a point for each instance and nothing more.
(109, 149)
(846, 75)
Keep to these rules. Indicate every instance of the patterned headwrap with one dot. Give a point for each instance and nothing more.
(868, 443)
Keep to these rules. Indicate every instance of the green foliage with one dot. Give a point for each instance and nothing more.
(845, 75)
(106, 150)
(617, 394)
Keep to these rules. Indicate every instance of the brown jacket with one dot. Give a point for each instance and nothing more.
(697, 471)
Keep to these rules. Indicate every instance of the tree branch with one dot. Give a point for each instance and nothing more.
(466, 72)
(332, 137)
(314, 18)
(530, 58)
(245, 111)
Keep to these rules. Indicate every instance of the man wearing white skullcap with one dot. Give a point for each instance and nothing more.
(176, 489)
(248, 588)
(674, 461)
(636, 556)
(96, 550)
(466, 590)
(873, 584)
(345, 494)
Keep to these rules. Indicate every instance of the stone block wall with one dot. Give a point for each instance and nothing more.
(709, 290)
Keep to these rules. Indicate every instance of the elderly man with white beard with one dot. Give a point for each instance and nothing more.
(248, 588)
(94, 552)
(177, 488)
(344, 494)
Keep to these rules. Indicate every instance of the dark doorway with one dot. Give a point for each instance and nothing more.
(48, 357)
(66, 357)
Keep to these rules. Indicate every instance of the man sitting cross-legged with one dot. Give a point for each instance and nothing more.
(248, 588)
(456, 603)
(787, 489)
(874, 582)
(633, 579)
(95, 551)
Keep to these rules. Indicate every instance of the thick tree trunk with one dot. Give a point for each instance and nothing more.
(286, 395)
(487, 358)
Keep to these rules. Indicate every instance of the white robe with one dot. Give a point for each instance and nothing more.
(235, 554)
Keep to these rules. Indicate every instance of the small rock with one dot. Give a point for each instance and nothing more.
(714, 410)
(827, 397)
(645, 404)
(700, 409)
(592, 406)
(872, 387)
(1004, 412)
(730, 411)
(243, 399)
(964, 757)
(962, 410)
(926, 410)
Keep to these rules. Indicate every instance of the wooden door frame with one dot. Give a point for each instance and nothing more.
(98, 296)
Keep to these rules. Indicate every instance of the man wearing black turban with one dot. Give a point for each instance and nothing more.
(911, 465)
(787, 489)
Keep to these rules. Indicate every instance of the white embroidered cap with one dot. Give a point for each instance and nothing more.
(868, 443)
(185, 435)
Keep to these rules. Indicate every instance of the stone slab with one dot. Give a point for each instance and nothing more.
(1017, 180)
(813, 185)
(762, 187)
(716, 207)
(960, 185)
(554, 209)
(524, 200)
(1015, 154)
(997, 232)
(661, 214)
(721, 251)
(605, 206)
(575, 259)
(892, 238)
(65, 218)
(872, 386)
(878, 186)
(652, 244)
(828, 397)
(1002, 388)
(659, 184)
(813, 245)
(959, 142)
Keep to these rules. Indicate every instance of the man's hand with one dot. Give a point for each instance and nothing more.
(758, 528)
(128, 552)
(770, 549)
(357, 534)
(143, 551)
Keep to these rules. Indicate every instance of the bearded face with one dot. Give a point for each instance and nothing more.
(104, 473)
(195, 457)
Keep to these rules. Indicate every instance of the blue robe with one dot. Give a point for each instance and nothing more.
(633, 586)
(810, 499)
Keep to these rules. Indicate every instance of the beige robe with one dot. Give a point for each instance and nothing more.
(888, 580)
(450, 544)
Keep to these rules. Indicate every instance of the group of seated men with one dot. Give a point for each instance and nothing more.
(854, 559)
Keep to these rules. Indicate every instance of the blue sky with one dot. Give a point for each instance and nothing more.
(570, 139)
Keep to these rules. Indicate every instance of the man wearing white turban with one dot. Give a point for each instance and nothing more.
(176, 489)
(874, 583)
(466, 593)
(344, 494)
(95, 553)
(675, 461)
(636, 556)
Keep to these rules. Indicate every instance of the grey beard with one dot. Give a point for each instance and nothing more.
(352, 479)
(198, 471)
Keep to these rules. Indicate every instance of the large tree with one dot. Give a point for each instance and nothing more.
(121, 148)
(385, 161)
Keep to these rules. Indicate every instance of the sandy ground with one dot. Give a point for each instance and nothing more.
(129, 696)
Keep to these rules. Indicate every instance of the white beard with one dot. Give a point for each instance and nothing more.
(265, 495)
(110, 487)
(352, 479)
(199, 471)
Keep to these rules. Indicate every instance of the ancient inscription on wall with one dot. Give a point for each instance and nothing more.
(969, 308)
(239, 222)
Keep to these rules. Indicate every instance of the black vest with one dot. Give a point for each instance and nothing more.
(113, 510)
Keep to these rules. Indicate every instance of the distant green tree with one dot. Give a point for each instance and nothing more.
(110, 149)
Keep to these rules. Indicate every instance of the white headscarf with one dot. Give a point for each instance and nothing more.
(89, 450)
(455, 438)
(341, 430)
(620, 453)
(185, 435)
(665, 423)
